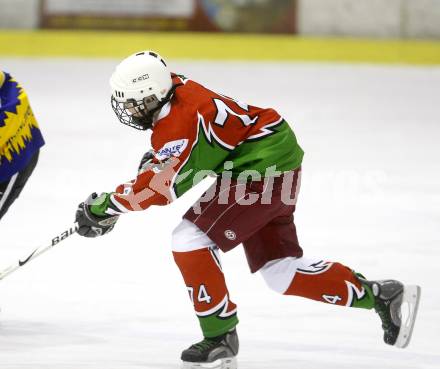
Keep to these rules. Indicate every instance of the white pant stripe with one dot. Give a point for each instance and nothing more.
(8, 190)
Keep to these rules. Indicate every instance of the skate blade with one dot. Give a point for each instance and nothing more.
(228, 363)
(409, 308)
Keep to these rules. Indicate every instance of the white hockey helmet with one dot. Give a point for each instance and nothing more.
(141, 84)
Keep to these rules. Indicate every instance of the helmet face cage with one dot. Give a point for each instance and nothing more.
(139, 114)
(136, 113)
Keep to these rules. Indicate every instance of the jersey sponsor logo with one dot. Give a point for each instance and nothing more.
(173, 148)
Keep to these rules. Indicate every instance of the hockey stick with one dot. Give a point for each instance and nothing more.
(40, 250)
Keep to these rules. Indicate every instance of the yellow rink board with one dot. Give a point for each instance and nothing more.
(212, 46)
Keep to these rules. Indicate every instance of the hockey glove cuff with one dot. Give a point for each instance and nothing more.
(89, 223)
(146, 161)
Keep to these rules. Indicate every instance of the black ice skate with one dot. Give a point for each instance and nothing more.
(397, 306)
(212, 353)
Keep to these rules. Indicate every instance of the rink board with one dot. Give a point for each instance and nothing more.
(202, 46)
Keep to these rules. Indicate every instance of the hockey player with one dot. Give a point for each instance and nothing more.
(20, 141)
(255, 155)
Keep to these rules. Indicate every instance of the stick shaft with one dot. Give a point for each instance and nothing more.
(39, 250)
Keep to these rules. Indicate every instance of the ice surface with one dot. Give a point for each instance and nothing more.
(370, 199)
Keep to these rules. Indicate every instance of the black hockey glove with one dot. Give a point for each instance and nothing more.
(146, 161)
(91, 225)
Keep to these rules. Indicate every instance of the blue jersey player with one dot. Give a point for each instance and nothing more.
(20, 141)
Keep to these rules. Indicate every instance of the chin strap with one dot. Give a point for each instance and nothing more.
(146, 122)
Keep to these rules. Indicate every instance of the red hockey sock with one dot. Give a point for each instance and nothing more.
(204, 279)
(332, 283)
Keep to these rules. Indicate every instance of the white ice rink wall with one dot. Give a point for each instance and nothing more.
(424, 20)
(19, 13)
(365, 18)
(370, 18)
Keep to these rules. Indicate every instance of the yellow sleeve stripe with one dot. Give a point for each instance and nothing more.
(2, 78)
